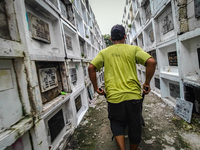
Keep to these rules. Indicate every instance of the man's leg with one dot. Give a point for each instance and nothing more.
(135, 127)
(120, 142)
(134, 147)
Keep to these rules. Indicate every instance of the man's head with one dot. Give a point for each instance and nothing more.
(117, 33)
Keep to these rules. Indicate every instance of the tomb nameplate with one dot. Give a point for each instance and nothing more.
(6, 81)
(174, 90)
(167, 23)
(48, 78)
(68, 42)
(198, 52)
(172, 56)
(197, 8)
(151, 36)
(73, 75)
(39, 29)
(78, 103)
(157, 83)
(184, 109)
(56, 124)
(81, 46)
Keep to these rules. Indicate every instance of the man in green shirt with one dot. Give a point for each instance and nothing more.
(122, 86)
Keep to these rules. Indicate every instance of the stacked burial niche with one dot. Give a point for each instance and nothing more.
(67, 10)
(52, 79)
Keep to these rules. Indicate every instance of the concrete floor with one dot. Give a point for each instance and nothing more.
(163, 131)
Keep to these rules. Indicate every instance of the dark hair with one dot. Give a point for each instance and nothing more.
(117, 32)
(117, 37)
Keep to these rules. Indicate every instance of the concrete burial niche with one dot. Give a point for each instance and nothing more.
(89, 51)
(168, 60)
(71, 40)
(155, 84)
(192, 94)
(89, 93)
(84, 12)
(157, 5)
(170, 89)
(83, 49)
(164, 23)
(76, 74)
(140, 40)
(52, 80)
(67, 11)
(193, 14)
(10, 104)
(190, 59)
(8, 26)
(79, 24)
(81, 104)
(138, 22)
(44, 32)
(149, 38)
(59, 123)
(77, 4)
(145, 11)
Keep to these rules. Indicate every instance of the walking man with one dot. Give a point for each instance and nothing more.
(122, 86)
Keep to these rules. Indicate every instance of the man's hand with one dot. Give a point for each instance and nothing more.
(146, 89)
(100, 91)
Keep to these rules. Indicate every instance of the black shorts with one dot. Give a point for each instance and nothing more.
(127, 113)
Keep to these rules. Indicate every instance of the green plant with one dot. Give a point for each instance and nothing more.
(87, 36)
(129, 25)
(82, 54)
(90, 27)
(72, 1)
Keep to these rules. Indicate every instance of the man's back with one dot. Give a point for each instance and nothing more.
(120, 73)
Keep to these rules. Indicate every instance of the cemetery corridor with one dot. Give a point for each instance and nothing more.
(163, 131)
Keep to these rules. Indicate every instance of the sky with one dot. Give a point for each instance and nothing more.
(107, 13)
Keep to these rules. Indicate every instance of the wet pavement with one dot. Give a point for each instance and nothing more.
(163, 131)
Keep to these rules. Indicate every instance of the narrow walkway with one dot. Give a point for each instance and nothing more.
(163, 130)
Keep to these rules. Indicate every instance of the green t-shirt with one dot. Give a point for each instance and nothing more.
(120, 73)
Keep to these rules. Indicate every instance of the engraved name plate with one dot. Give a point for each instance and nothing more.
(172, 56)
(174, 90)
(78, 103)
(68, 42)
(157, 83)
(39, 29)
(167, 23)
(184, 109)
(151, 36)
(56, 124)
(73, 75)
(48, 78)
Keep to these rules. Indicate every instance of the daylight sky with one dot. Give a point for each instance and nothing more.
(107, 13)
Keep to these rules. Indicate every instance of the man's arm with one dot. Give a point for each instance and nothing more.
(93, 78)
(150, 69)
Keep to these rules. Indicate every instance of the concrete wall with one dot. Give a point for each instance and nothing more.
(176, 33)
(41, 101)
